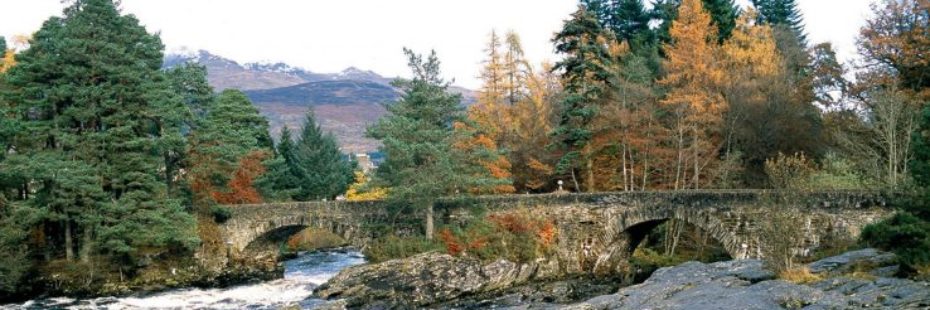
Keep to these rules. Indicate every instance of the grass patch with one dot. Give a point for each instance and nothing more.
(312, 239)
(394, 247)
(799, 275)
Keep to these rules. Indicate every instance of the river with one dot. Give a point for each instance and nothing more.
(301, 276)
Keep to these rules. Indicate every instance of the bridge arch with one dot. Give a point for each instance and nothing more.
(639, 223)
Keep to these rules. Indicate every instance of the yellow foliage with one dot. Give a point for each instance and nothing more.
(8, 61)
(752, 48)
(358, 191)
(800, 275)
(693, 77)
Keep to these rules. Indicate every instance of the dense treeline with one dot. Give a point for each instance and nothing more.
(710, 96)
(111, 163)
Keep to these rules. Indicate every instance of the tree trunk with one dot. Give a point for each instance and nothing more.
(575, 180)
(429, 222)
(86, 244)
(69, 244)
(681, 142)
(590, 177)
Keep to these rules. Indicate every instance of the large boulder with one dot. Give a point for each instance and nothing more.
(726, 285)
(427, 279)
(747, 285)
(870, 258)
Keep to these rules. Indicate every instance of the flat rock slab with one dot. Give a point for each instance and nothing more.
(849, 260)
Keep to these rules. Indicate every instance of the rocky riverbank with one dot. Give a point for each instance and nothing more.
(82, 281)
(855, 280)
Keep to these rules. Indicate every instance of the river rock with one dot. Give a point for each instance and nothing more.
(734, 285)
(729, 285)
(426, 279)
(847, 261)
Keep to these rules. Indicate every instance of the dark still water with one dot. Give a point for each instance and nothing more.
(301, 276)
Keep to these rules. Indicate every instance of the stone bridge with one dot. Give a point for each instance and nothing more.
(594, 230)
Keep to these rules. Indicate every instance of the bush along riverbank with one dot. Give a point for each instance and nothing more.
(860, 279)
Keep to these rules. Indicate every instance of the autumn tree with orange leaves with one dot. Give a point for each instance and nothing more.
(226, 152)
(693, 76)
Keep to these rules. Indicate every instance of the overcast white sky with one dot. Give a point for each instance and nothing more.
(328, 36)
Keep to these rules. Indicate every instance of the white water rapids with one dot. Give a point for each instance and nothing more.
(301, 276)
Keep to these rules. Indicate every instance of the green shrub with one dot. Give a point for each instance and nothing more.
(394, 247)
(518, 236)
(904, 234)
(220, 214)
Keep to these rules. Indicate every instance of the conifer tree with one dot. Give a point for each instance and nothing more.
(282, 182)
(723, 14)
(692, 77)
(417, 136)
(326, 172)
(231, 130)
(585, 73)
(516, 69)
(630, 20)
(784, 13)
(534, 118)
(490, 111)
(3, 55)
(89, 155)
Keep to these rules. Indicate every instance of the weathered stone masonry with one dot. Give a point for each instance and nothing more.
(597, 232)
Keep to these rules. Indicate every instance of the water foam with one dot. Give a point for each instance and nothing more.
(301, 276)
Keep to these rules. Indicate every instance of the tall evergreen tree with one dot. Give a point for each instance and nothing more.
(282, 182)
(782, 12)
(723, 14)
(86, 94)
(630, 20)
(584, 74)
(189, 80)
(418, 136)
(326, 172)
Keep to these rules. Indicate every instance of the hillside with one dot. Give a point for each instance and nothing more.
(345, 103)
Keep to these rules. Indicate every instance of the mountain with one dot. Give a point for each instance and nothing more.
(345, 103)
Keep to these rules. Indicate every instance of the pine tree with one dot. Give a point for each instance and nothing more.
(231, 130)
(3, 55)
(89, 156)
(282, 182)
(630, 20)
(189, 80)
(692, 78)
(723, 14)
(326, 172)
(584, 75)
(417, 136)
(782, 12)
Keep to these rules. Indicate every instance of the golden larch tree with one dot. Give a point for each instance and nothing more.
(693, 74)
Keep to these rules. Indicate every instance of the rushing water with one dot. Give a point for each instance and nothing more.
(301, 276)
